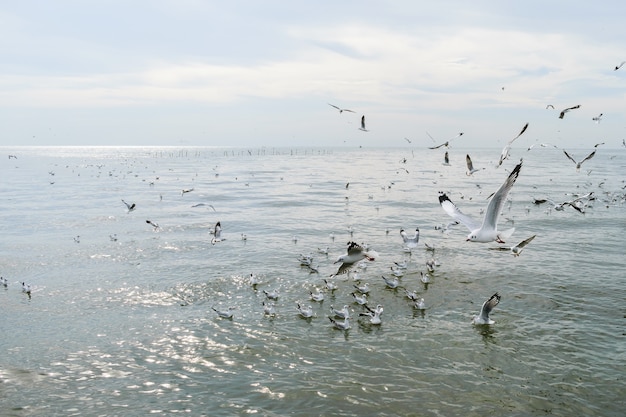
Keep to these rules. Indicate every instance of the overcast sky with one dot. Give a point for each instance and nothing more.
(261, 73)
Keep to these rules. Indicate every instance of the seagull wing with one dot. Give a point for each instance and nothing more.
(520, 133)
(591, 155)
(363, 122)
(470, 166)
(489, 305)
(525, 242)
(569, 157)
(453, 211)
(217, 231)
(351, 111)
(497, 201)
(332, 105)
(354, 249)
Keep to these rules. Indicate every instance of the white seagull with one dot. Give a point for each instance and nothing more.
(317, 296)
(342, 314)
(597, 119)
(410, 241)
(446, 143)
(225, 314)
(4, 282)
(392, 283)
(269, 308)
(345, 325)
(446, 159)
(470, 166)
(488, 230)
(517, 249)
(505, 152)
(354, 254)
(578, 164)
(340, 109)
(490, 304)
(305, 311)
(360, 299)
(374, 317)
(271, 295)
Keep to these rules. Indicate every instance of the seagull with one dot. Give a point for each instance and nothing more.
(410, 242)
(597, 119)
(411, 295)
(217, 233)
(225, 314)
(419, 304)
(505, 152)
(619, 66)
(253, 280)
(446, 143)
(490, 304)
(305, 311)
(345, 325)
(130, 207)
(488, 230)
(550, 106)
(517, 249)
(317, 296)
(446, 159)
(271, 295)
(342, 314)
(543, 145)
(360, 299)
(424, 277)
(354, 254)
(374, 317)
(186, 190)
(340, 109)
(4, 282)
(330, 286)
(392, 283)
(562, 114)
(470, 166)
(269, 308)
(363, 289)
(363, 124)
(154, 225)
(578, 164)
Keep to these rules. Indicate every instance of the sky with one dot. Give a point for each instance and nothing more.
(262, 73)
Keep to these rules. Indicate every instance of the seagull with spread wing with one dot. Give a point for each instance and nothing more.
(505, 152)
(562, 114)
(340, 109)
(487, 231)
(446, 143)
(490, 304)
(578, 164)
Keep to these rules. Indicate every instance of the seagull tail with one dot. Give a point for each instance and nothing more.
(506, 234)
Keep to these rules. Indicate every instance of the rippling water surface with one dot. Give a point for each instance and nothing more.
(119, 321)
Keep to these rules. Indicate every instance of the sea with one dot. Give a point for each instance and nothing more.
(120, 319)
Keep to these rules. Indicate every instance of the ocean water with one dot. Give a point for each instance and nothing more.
(120, 322)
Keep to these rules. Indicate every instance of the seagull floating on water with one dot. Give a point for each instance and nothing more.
(271, 295)
(517, 249)
(488, 230)
(342, 314)
(490, 304)
(225, 314)
(344, 325)
(374, 317)
(305, 311)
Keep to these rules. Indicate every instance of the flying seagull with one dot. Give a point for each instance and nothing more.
(217, 233)
(446, 159)
(550, 106)
(562, 114)
(597, 119)
(488, 230)
(130, 207)
(470, 166)
(619, 66)
(354, 254)
(410, 241)
(490, 304)
(578, 164)
(363, 124)
(517, 249)
(505, 152)
(340, 109)
(446, 143)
